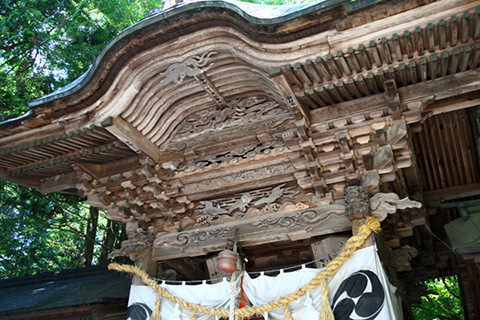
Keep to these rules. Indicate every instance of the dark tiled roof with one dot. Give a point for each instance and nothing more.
(63, 289)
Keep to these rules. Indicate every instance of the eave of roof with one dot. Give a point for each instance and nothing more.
(291, 13)
(62, 289)
(184, 11)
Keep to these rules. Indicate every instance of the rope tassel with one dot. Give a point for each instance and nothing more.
(326, 312)
(288, 312)
(156, 314)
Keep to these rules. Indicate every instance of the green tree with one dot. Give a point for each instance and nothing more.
(45, 44)
(443, 302)
(33, 237)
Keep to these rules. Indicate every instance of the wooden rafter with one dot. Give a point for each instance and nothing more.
(133, 138)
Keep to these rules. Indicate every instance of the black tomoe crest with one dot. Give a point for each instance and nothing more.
(351, 302)
(138, 311)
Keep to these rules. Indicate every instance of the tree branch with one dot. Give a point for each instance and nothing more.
(449, 289)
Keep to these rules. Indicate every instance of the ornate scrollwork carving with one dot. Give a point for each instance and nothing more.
(303, 219)
(233, 156)
(236, 178)
(298, 222)
(188, 238)
(356, 199)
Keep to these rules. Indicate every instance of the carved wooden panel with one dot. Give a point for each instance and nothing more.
(275, 227)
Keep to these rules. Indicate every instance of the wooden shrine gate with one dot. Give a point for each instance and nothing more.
(201, 125)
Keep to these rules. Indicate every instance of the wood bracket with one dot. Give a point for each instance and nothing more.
(298, 109)
(133, 138)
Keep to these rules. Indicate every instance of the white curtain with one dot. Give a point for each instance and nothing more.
(359, 290)
(208, 295)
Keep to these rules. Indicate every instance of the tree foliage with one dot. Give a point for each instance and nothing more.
(442, 303)
(34, 228)
(45, 44)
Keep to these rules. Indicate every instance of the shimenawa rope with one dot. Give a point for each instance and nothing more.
(326, 313)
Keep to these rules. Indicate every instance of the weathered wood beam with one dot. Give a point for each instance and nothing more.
(288, 95)
(434, 198)
(33, 183)
(464, 101)
(29, 136)
(103, 170)
(58, 183)
(412, 174)
(97, 171)
(290, 226)
(68, 157)
(38, 138)
(442, 88)
(133, 138)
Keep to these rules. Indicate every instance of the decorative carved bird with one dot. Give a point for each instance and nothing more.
(276, 193)
(242, 203)
(211, 209)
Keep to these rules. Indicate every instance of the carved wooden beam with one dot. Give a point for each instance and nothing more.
(291, 226)
(289, 96)
(133, 138)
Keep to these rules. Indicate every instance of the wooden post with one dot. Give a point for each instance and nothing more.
(357, 208)
(146, 263)
(212, 269)
(326, 246)
(142, 252)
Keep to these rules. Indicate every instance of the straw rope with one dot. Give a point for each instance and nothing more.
(353, 244)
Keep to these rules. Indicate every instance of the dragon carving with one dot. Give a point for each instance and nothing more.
(188, 68)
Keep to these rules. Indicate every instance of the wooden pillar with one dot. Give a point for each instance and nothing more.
(357, 208)
(326, 246)
(146, 263)
(140, 250)
(212, 269)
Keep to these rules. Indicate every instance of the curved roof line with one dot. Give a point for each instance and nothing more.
(285, 13)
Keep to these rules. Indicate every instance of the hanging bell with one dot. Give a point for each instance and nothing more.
(226, 261)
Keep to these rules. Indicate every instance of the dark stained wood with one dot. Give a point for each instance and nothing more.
(435, 197)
